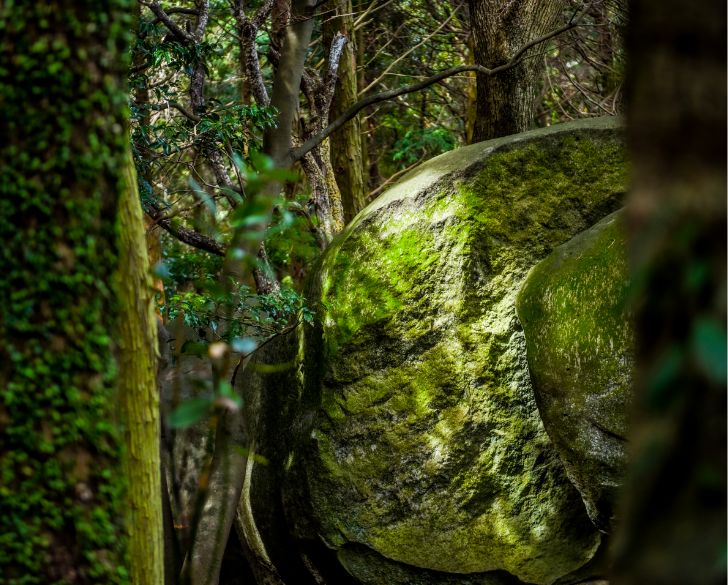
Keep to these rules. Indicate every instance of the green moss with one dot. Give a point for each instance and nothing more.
(63, 128)
(430, 448)
(579, 334)
(525, 198)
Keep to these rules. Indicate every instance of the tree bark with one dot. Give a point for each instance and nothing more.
(287, 81)
(673, 519)
(346, 145)
(137, 386)
(505, 103)
(63, 152)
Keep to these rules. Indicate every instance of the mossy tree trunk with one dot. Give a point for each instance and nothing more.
(62, 87)
(505, 103)
(674, 513)
(137, 387)
(346, 143)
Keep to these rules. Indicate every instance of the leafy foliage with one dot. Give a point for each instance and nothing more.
(237, 314)
(421, 144)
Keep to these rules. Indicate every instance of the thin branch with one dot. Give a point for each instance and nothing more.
(403, 55)
(390, 180)
(359, 22)
(160, 13)
(177, 10)
(297, 153)
(184, 234)
(203, 9)
(177, 107)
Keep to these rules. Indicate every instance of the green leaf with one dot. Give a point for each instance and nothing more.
(245, 452)
(709, 348)
(195, 348)
(189, 412)
(661, 384)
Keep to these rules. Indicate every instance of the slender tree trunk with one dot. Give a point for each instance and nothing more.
(138, 395)
(287, 81)
(346, 146)
(673, 527)
(63, 152)
(506, 102)
(363, 125)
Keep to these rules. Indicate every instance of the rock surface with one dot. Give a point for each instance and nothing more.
(421, 437)
(580, 353)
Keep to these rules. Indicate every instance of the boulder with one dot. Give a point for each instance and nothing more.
(420, 436)
(579, 339)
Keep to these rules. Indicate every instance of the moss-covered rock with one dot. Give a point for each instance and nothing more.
(580, 352)
(371, 568)
(424, 438)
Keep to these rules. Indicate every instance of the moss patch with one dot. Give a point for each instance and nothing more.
(580, 352)
(427, 443)
(62, 86)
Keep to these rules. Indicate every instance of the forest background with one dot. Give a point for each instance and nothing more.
(250, 134)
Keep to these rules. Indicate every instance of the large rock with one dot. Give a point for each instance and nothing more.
(421, 437)
(573, 308)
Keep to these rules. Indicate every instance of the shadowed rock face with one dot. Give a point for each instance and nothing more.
(420, 437)
(573, 308)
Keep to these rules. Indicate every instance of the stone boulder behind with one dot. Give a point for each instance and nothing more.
(419, 436)
(579, 334)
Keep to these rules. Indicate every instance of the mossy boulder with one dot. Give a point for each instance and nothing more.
(421, 436)
(579, 338)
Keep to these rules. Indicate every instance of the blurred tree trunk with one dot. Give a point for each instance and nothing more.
(673, 521)
(505, 103)
(137, 387)
(63, 152)
(346, 143)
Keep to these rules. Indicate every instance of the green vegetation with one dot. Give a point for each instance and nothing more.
(430, 438)
(61, 493)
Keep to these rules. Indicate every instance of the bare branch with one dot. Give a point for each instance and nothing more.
(390, 180)
(177, 107)
(160, 13)
(247, 31)
(262, 14)
(329, 83)
(182, 233)
(203, 15)
(414, 47)
(297, 153)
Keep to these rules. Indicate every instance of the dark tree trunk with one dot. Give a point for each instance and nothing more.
(64, 142)
(505, 103)
(674, 515)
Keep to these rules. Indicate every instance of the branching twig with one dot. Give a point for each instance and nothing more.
(161, 14)
(184, 234)
(297, 153)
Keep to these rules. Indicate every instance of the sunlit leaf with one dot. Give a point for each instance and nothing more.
(189, 412)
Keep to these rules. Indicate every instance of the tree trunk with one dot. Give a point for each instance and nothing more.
(673, 527)
(63, 152)
(346, 146)
(287, 81)
(138, 395)
(505, 102)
